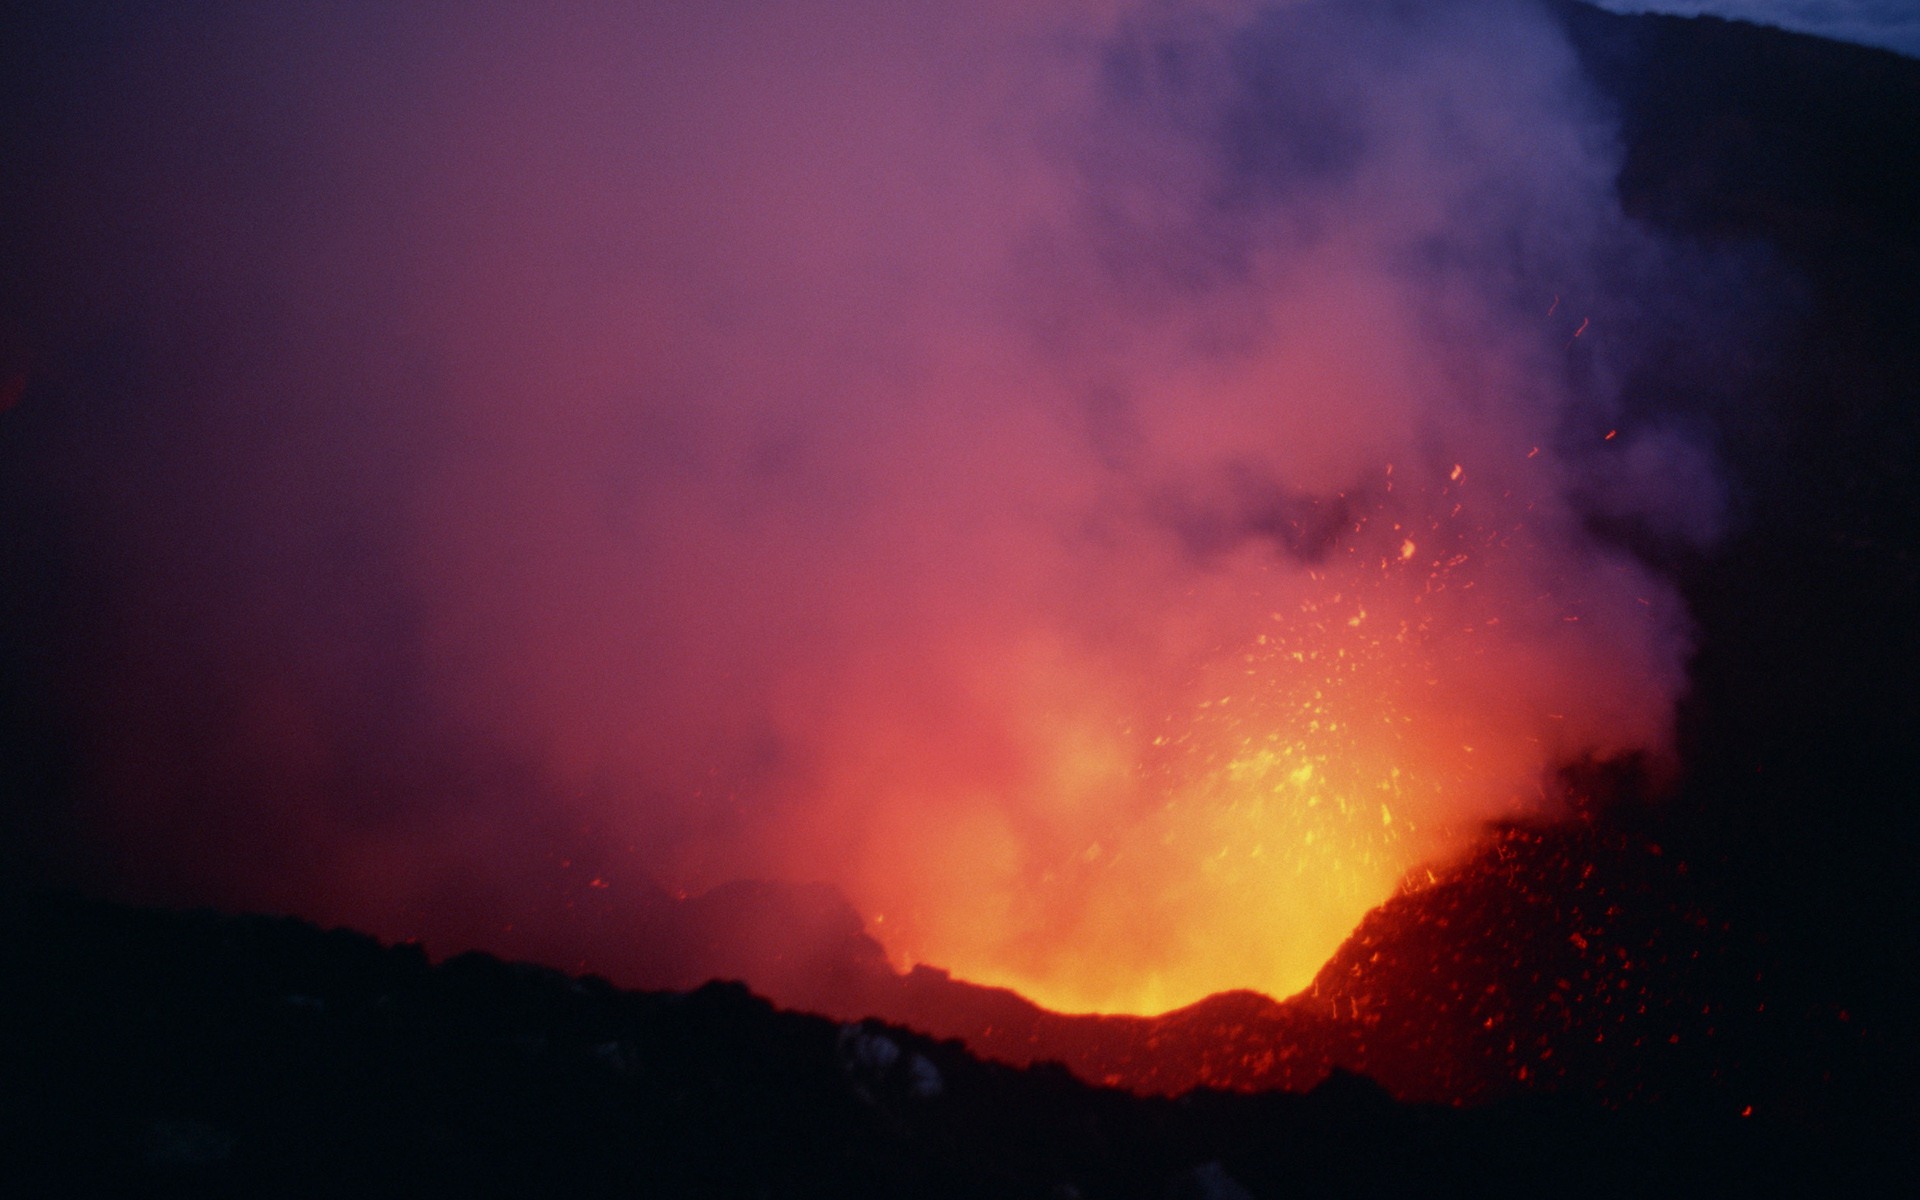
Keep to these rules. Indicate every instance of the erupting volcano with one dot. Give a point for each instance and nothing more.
(1109, 494)
(1165, 536)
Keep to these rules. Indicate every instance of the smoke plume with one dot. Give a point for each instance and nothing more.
(1108, 487)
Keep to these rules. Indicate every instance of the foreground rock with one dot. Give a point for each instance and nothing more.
(155, 1052)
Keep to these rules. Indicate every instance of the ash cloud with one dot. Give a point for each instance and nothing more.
(825, 442)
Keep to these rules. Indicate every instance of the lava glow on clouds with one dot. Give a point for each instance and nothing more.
(1108, 487)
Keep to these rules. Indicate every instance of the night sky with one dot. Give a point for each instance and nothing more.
(1890, 24)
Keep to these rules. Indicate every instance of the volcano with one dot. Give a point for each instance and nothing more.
(328, 594)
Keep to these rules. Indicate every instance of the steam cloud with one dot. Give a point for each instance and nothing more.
(868, 443)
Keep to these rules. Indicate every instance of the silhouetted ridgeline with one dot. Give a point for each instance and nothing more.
(209, 1055)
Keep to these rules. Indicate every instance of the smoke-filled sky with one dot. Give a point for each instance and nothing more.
(1109, 487)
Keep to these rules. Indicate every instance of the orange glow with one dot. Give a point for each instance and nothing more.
(1358, 732)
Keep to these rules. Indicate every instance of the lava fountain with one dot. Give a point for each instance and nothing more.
(1416, 677)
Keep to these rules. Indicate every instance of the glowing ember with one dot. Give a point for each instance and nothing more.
(1363, 731)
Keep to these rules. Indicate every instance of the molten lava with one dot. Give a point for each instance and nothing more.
(1373, 716)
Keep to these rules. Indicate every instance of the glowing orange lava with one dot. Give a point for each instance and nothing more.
(1360, 731)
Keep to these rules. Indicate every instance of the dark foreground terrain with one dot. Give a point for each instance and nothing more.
(153, 1052)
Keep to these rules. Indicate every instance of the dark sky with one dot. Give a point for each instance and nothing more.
(1889, 24)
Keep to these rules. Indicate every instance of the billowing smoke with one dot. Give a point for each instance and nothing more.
(1110, 488)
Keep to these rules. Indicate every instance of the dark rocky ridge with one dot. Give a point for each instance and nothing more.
(152, 1052)
(1583, 961)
